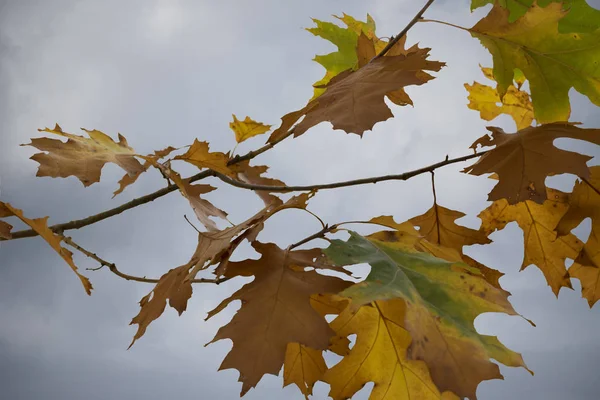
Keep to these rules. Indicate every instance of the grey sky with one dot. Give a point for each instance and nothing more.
(165, 72)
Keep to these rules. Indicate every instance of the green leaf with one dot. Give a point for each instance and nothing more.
(443, 299)
(553, 62)
(581, 17)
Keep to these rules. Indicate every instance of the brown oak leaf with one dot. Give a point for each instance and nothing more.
(354, 101)
(438, 226)
(524, 159)
(151, 159)
(275, 311)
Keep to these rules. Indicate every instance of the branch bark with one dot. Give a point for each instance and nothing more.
(113, 268)
(402, 177)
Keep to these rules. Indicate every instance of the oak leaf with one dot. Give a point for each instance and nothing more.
(443, 299)
(380, 356)
(150, 160)
(553, 62)
(585, 203)
(523, 160)
(40, 226)
(171, 287)
(199, 155)
(346, 40)
(275, 311)
(580, 17)
(202, 207)
(82, 157)
(354, 101)
(438, 226)
(254, 174)
(303, 365)
(543, 247)
(5, 227)
(247, 128)
(515, 103)
(212, 248)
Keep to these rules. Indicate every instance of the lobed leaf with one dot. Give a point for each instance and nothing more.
(442, 299)
(524, 159)
(553, 62)
(40, 226)
(275, 311)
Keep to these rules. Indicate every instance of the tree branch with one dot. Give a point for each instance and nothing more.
(80, 223)
(402, 177)
(113, 268)
(405, 30)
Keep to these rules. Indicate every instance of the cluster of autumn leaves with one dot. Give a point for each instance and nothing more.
(413, 315)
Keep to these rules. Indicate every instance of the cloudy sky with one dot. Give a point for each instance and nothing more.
(163, 72)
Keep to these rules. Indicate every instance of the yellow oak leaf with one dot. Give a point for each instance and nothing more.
(264, 326)
(247, 128)
(525, 159)
(515, 102)
(543, 247)
(585, 203)
(199, 155)
(303, 365)
(443, 296)
(40, 226)
(380, 356)
(82, 157)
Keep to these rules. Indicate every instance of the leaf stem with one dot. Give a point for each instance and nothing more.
(445, 23)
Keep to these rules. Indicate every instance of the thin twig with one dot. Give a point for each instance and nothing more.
(403, 177)
(80, 223)
(405, 30)
(192, 225)
(317, 235)
(113, 268)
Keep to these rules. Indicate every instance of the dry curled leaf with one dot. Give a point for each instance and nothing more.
(40, 226)
(150, 160)
(82, 157)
